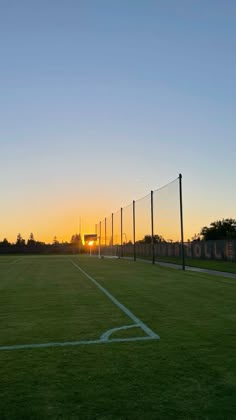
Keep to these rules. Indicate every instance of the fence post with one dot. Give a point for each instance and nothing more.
(152, 229)
(181, 221)
(121, 232)
(134, 230)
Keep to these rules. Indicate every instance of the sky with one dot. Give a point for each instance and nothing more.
(103, 101)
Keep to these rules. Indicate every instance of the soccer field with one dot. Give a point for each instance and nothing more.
(93, 338)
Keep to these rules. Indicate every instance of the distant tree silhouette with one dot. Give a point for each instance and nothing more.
(19, 240)
(148, 239)
(76, 239)
(196, 237)
(220, 229)
(55, 241)
(5, 244)
(31, 241)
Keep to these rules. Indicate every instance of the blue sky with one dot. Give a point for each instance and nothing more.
(102, 101)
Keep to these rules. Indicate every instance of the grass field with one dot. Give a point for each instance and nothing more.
(218, 265)
(189, 373)
(225, 266)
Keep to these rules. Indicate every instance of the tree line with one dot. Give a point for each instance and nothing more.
(218, 230)
(33, 246)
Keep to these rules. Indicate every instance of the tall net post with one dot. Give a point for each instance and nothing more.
(112, 229)
(181, 220)
(121, 232)
(134, 240)
(116, 233)
(108, 248)
(105, 241)
(152, 229)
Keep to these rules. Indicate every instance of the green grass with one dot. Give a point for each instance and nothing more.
(190, 373)
(225, 266)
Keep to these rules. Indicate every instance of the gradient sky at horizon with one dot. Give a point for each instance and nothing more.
(102, 101)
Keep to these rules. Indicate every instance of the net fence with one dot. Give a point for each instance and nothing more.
(143, 238)
(108, 241)
(117, 228)
(166, 221)
(148, 228)
(127, 231)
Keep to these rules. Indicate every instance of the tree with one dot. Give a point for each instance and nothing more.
(55, 241)
(5, 243)
(220, 229)
(31, 241)
(148, 239)
(76, 239)
(196, 237)
(19, 240)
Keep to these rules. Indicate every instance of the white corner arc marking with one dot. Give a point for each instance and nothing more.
(120, 305)
(105, 337)
(107, 334)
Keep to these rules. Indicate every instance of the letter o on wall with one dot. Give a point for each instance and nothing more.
(197, 250)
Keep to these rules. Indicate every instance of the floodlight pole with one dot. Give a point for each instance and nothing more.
(134, 240)
(152, 229)
(181, 221)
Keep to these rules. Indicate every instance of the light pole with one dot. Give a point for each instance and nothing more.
(90, 247)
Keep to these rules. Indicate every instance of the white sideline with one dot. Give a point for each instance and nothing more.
(123, 308)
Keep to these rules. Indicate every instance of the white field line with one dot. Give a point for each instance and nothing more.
(120, 305)
(74, 343)
(105, 337)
